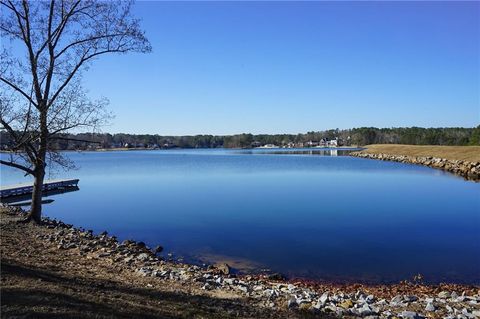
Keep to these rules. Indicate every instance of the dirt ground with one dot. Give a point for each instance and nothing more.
(38, 280)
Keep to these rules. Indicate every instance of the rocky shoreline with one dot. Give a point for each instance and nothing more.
(404, 300)
(465, 169)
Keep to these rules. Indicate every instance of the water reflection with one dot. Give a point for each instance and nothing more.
(321, 152)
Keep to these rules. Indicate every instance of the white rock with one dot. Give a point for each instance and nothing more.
(365, 310)
(324, 298)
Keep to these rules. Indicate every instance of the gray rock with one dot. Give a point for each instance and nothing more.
(397, 299)
(292, 303)
(143, 257)
(467, 313)
(229, 281)
(382, 302)
(410, 315)
(430, 307)
(365, 310)
(359, 294)
(302, 301)
(242, 288)
(127, 242)
(370, 299)
(207, 286)
(410, 298)
(331, 308)
(144, 271)
(319, 305)
(443, 294)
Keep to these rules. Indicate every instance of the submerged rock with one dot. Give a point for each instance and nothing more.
(223, 268)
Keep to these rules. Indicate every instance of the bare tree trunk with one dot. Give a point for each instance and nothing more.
(36, 207)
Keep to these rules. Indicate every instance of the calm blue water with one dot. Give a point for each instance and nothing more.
(313, 216)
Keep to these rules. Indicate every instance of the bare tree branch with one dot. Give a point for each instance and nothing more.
(19, 90)
(59, 40)
(18, 166)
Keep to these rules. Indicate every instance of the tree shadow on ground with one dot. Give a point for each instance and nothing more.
(44, 294)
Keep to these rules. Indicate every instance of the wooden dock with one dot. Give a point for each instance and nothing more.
(27, 188)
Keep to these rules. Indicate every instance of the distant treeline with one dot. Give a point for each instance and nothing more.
(349, 137)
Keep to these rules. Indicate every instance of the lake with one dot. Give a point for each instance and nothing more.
(303, 214)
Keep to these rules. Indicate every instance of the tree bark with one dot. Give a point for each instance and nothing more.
(36, 207)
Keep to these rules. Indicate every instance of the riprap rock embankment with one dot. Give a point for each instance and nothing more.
(466, 169)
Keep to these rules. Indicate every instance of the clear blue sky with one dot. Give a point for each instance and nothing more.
(289, 67)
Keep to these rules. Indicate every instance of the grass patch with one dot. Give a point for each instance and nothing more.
(464, 153)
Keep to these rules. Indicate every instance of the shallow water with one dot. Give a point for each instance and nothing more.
(305, 215)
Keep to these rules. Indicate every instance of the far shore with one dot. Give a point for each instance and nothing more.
(455, 153)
